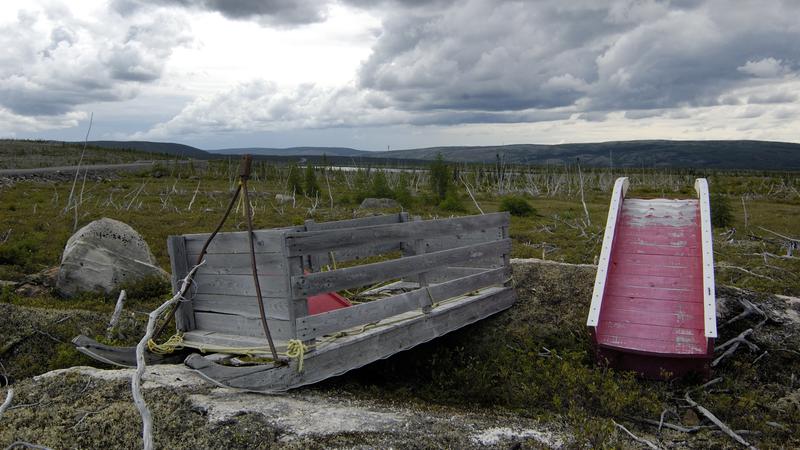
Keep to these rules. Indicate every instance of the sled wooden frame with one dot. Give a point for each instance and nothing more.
(458, 269)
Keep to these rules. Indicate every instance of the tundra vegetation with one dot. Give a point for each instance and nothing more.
(536, 360)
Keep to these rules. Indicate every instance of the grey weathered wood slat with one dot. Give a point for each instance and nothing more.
(341, 319)
(354, 253)
(319, 259)
(296, 305)
(245, 326)
(184, 317)
(271, 285)
(353, 223)
(353, 352)
(336, 280)
(199, 338)
(266, 241)
(319, 241)
(276, 307)
(449, 273)
(239, 263)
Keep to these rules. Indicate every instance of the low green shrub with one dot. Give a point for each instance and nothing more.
(517, 206)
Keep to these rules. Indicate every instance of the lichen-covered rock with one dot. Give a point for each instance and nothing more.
(103, 255)
(379, 203)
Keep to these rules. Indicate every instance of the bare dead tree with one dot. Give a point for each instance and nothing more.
(80, 161)
(136, 379)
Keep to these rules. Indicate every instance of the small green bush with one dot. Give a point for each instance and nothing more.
(452, 202)
(517, 206)
(721, 216)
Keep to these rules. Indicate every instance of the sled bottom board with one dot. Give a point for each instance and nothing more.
(351, 352)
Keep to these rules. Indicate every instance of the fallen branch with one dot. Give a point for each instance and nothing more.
(734, 345)
(710, 416)
(636, 438)
(470, 194)
(741, 269)
(112, 324)
(136, 380)
(7, 402)
(23, 444)
(671, 426)
(749, 309)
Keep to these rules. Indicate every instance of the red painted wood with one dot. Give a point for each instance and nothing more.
(654, 305)
(663, 250)
(680, 319)
(657, 260)
(655, 281)
(652, 302)
(647, 269)
(326, 302)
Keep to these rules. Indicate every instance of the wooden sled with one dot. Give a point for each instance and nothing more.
(653, 309)
(438, 276)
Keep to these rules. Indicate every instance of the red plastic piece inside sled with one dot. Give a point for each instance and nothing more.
(326, 302)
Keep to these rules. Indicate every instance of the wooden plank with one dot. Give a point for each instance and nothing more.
(652, 346)
(265, 241)
(709, 289)
(618, 288)
(662, 271)
(653, 281)
(276, 308)
(352, 352)
(241, 325)
(336, 280)
(450, 273)
(654, 305)
(271, 285)
(665, 250)
(601, 276)
(239, 264)
(354, 223)
(341, 319)
(657, 260)
(184, 316)
(199, 339)
(664, 319)
(669, 334)
(318, 241)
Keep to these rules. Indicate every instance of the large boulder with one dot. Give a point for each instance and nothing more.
(103, 255)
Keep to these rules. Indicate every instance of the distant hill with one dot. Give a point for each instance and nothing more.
(293, 151)
(760, 155)
(167, 148)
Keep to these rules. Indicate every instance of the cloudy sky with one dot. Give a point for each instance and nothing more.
(399, 73)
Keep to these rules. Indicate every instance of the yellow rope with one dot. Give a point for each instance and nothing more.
(295, 349)
(173, 343)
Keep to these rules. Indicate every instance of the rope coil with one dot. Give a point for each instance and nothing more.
(296, 349)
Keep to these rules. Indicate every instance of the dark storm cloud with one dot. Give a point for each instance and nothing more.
(268, 12)
(486, 55)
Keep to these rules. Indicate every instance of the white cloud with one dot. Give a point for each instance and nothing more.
(764, 68)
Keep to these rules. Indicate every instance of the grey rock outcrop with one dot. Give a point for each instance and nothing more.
(379, 203)
(102, 255)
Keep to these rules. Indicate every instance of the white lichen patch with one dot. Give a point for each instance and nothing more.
(494, 436)
(299, 414)
(156, 376)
